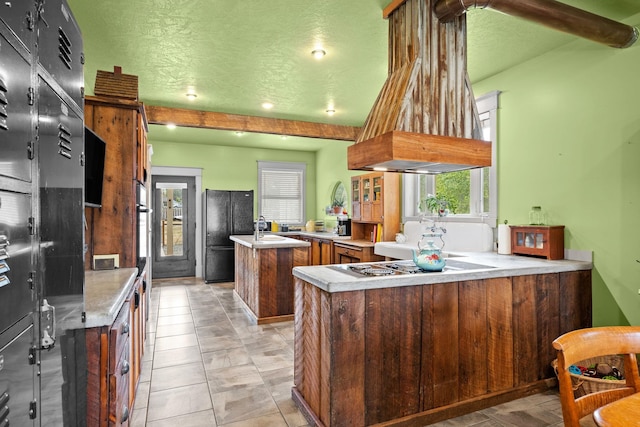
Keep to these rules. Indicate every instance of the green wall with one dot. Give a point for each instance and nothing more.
(332, 167)
(569, 141)
(232, 168)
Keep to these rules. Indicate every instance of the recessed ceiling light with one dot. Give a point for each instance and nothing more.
(318, 53)
(331, 111)
(283, 136)
(380, 169)
(191, 96)
(239, 133)
(171, 125)
(267, 105)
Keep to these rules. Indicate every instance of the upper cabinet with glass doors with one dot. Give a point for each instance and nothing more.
(355, 198)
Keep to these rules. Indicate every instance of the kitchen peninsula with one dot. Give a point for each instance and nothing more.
(263, 277)
(413, 349)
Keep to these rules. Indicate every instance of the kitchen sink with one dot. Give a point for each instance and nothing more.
(454, 264)
(270, 237)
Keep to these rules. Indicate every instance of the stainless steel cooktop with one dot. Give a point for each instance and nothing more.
(403, 267)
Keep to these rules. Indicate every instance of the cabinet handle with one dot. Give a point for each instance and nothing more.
(125, 328)
(125, 414)
(136, 299)
(125, 368)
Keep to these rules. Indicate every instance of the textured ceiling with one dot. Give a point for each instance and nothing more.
(236, 54)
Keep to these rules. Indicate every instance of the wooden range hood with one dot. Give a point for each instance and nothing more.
(425, 119)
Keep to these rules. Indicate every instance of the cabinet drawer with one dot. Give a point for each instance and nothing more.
(350, 251)
(119, 391)
(119, 336)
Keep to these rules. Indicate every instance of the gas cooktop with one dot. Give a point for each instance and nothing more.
(382, 269)
(402, 267)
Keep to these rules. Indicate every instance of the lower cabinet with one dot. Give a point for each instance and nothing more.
(114, 356)
(321, 250)
(120, 368)
(346, 252)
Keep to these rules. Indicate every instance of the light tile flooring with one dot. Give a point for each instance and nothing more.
(206, 364)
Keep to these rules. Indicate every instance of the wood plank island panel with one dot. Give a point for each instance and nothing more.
(264, 280)
(415, 355)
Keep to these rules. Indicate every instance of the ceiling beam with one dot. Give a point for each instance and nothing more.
(391, 7)
(235, 122)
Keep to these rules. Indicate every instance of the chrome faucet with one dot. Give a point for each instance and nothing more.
(261, 224)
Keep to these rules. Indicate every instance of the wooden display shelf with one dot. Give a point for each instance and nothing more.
(538, 240)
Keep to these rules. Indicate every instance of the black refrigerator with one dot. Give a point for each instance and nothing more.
(226, 213)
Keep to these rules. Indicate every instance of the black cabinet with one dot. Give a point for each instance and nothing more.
(18, 375)
(41, 208)
(15, 112)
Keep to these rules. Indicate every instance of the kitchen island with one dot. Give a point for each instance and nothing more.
(414, 349)
(263, 274)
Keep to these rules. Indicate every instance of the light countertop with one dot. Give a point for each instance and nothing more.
(331, 278)
(328, 235)
(104, 293)
(269, 241)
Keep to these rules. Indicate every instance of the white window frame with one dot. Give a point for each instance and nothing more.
(264, 166)
(487, 104)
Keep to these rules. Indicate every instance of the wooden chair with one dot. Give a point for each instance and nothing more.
(588, 343)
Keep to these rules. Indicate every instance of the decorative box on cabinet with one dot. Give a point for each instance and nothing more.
(538, 240)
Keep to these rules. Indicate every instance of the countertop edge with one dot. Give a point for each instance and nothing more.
(332, 280)
(286, 242)
(105, 293)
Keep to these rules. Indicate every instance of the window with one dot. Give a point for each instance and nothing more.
(472, 194)
(281, 191)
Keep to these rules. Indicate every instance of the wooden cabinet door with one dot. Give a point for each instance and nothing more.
(365, 212)
(326, 251)
(377, 210)
(355, 198)
(321, 251)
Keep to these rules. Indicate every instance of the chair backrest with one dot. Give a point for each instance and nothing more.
(582, 344)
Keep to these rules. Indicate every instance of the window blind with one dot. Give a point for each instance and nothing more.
(281, 194)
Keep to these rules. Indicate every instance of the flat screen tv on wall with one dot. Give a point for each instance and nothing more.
(94, 153)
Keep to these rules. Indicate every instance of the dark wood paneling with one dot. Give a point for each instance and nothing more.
(299, 352)
(473, 338)
(393, 337)
(547, 320)
(429, 352)
(500, 361)
(114, 226)
(575, 300)
(264, 280)
(345, 313)
(443, 333)
(525, 331)
(312, 347)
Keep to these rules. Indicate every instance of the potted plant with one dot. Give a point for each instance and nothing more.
(338, 205)
(435, 205)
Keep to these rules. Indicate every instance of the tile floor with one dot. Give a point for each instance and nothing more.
(206, 364)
